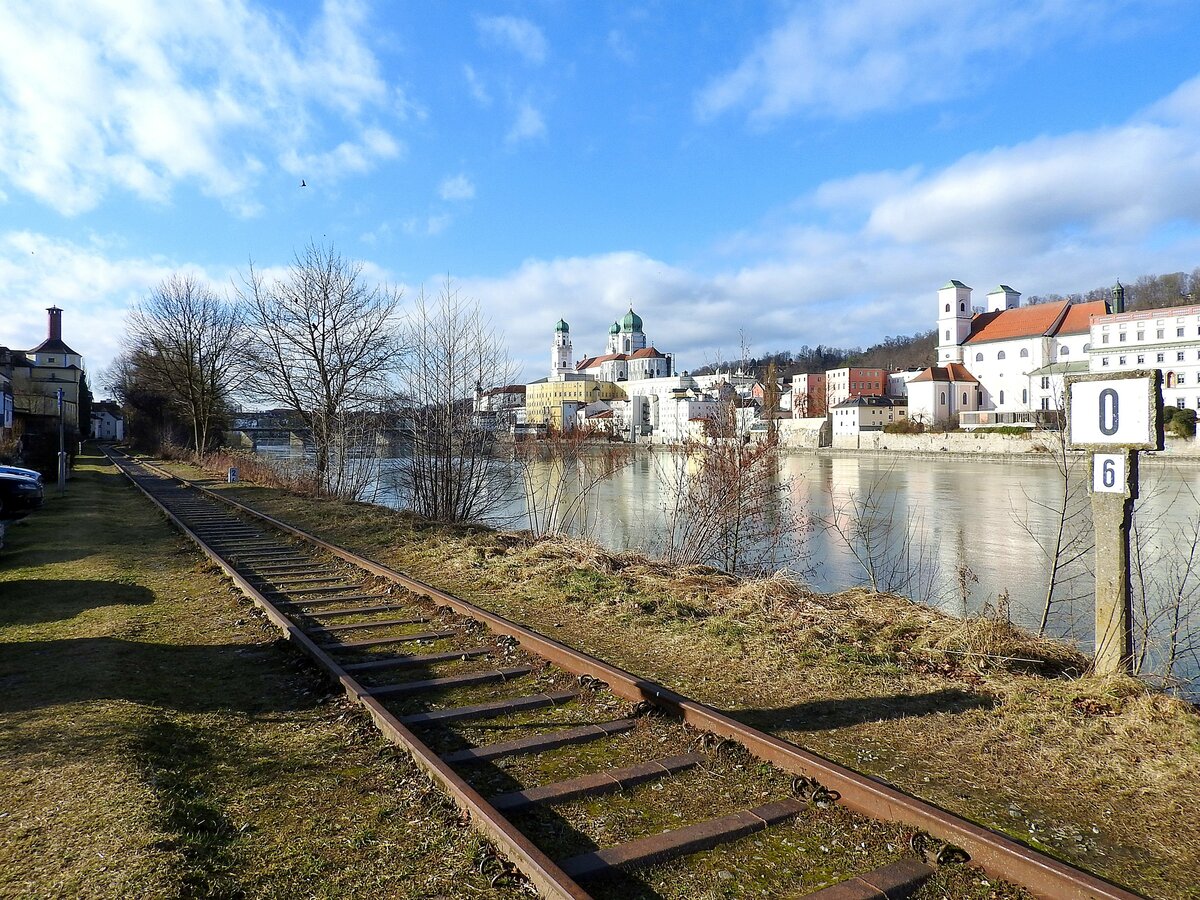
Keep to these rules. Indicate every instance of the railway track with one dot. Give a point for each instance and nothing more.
(590, 781)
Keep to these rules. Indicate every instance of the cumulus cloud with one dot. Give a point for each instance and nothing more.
(457, 187)
(96, 97)
(516, 34)
(527, 126)
(844, 58)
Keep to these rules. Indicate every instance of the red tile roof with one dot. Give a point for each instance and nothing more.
(951, 372)
(1034, 321)
(591, 361)
(648, 353)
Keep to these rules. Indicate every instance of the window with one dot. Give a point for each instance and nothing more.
(943, 398)
(1120, 361)
(1179, 356)
(1000, 355)
(1181, 403)
(978, 357)
(964, 398)
(962, 307)
(1065, 351)
(1180, 378)
(1123, 336)
(1159, 357)
(50, 360)
(1002, 398)
(1159, 334)
(1024, 353)
(947, 337)
(1179, 331)
(1104, 338)
(947, 307)
(1045, 403)
(1170, 379)
(1045, 382)
(1104, 361)
(1141, 335)
(1140, 359)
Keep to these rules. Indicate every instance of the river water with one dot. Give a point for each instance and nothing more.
(978, 532)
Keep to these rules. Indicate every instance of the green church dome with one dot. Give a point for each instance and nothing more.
(561, 327)
(614, 328)
(632, 321)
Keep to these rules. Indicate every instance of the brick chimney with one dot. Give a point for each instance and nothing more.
(55, 333)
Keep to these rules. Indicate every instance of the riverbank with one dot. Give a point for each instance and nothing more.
(972, 715)
(157, 740)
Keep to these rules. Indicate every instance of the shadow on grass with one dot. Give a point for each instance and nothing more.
(190, 678)
(822, 715)
(36, 600)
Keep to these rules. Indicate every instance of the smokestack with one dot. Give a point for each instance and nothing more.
(55, 329)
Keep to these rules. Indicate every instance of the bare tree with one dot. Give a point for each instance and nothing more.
(452, 475)
(325, 347)
(561, 472)
(188, 344)
(728, 507)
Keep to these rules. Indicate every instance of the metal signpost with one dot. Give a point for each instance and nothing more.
(1114, 416)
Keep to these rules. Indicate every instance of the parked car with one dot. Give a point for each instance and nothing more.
(19, 496)
(24, 473)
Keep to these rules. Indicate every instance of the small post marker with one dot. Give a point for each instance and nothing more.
(1115, 416)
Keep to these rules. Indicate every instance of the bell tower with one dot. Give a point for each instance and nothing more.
(560, 350)
(954, 321)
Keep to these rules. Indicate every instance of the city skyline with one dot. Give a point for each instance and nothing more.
(807, 173)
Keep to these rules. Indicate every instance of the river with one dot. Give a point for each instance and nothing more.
(978, 532)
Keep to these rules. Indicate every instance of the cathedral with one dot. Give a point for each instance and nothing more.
(628, 355)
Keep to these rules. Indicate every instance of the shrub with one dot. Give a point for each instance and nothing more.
(1179, 422)
(904, 426)
(1013, 430)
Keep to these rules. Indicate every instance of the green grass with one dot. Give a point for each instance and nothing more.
(158, 740)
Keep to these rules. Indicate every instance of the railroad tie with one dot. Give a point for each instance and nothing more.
(353, 626)
(364, 610)
(411, 661)
(329, 601)
(890, 882)
(540, 742)
(682, 841)
(450, 681)
(606, 782)
(487, 710)
(398, 639)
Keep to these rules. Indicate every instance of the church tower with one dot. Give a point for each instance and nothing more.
(954, 321)
(560, 350)
(631, 335)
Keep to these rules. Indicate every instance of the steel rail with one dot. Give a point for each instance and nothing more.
(997, 854)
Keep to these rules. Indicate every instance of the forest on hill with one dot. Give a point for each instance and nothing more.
(918, 350)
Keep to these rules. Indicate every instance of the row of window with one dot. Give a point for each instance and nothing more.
(1159, 334)
(1180, 356)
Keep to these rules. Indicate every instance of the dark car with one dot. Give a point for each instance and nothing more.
(19, 496)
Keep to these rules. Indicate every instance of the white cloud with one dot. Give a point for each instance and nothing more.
(476, 87)
(457, 187)
(527, 126)
(516, 34)
(844, 58)
(97, 97)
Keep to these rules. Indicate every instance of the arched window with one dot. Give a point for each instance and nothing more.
(947, 307)
(964, 398)
(1087, 347)
(1024, 352)
(962, 307)
(1025, 396)
(1002, 398)
(943, 398)
(1064, 351)
(1000, 355)
(1170, 379)
(978, 357)
(947, 336)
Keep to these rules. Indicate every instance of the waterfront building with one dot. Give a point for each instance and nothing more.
(1165, 339)
(866, 413)
(1007, 349)
(556, 402)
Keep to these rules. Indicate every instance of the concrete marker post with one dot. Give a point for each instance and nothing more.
(1114, 415)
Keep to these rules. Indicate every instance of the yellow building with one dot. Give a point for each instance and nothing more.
(546, 399)
(42, 372)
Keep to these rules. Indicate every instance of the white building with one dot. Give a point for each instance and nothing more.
(628, 356)
(1000, 346)
(107, 422)
(1165, 339)
(866, 413)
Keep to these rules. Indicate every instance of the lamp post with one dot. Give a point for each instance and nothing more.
(62, 449)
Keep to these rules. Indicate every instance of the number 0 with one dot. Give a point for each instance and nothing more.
(1108, 417)
(1108, 474)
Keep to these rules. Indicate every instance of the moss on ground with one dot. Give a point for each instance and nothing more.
(975, 716)
(158, 741)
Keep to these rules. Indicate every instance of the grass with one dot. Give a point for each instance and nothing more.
(975, 716)
(157, 739)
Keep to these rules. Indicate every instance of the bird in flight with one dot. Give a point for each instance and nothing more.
(302, 184)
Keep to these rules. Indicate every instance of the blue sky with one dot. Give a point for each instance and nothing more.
(804, 172)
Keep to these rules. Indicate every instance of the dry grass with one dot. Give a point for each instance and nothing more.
(1104, 773)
